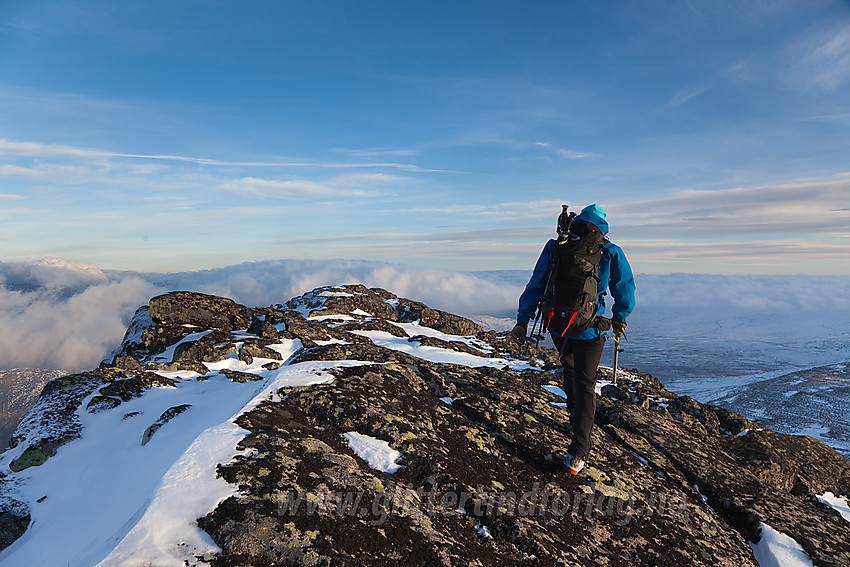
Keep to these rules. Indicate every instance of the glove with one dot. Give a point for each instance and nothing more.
(519, 332)
(619, 327)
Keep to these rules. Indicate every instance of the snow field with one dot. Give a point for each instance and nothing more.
(104, 499)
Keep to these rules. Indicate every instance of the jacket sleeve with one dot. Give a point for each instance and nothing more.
(621, 284)
(536, 285)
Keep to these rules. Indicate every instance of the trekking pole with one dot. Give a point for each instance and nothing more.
(617, 351)
(537, 319)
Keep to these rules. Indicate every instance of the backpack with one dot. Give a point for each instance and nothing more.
(569, 303)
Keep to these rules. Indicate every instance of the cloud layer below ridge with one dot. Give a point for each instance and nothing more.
(56, 314)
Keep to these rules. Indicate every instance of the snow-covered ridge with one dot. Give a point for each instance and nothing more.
(158, 457)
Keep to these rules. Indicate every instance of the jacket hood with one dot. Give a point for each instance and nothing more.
(596, 215)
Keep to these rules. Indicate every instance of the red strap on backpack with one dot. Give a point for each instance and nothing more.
(567, 328)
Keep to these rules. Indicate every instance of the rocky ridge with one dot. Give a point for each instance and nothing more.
(481, 432)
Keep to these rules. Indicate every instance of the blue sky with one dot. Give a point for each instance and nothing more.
(177, 135)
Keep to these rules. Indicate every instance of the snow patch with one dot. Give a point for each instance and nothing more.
(556, 390)
(334, 294)
(776, 549)
(840, 504)
(436, 354)
(483, 530)
(333, 317)
(332, 342)
(641, 459)
(377, 454)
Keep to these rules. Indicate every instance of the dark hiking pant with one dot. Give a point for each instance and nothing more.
(581, 362)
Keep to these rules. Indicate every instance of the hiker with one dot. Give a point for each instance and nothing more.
(579, 341)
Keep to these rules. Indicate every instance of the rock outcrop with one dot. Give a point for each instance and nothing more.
(481, 438)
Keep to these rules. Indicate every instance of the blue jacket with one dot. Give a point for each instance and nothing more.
(615, 274)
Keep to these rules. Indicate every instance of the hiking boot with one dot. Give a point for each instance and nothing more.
(574, 464)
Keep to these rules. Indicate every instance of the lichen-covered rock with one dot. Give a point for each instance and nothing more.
(127, 363)
(199, 309)
(308, 331)
(479, 434)
(794, 463)
(53, 420)
(202, 351)
(100, 403)
(448, 345)
(36, 454)
(263, 325)
(134, 387)
(413, 311)
(358, 301)
(166, 416)
(257, 350)
(490, 459)
(14, 520)
(375, 325)
(749, 482)
(670, 481)
(181, 365)
(241, 377)
(686, 407)
(159, 337)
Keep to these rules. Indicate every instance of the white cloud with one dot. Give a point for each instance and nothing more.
(20, 171)
(682, 96)
(60, 314)
(44, 151)
(73, 315)
(809, 205)
(832, 58)
(821, 59)
(56, 314)
(59, 151)
(564, 152)
(544, 209)
(46, 330)
(72, 174)
(367, 180)
(739, 257)
(52, 275)
(709, 295)
(274, 281)
(377, 152)
(302, 188)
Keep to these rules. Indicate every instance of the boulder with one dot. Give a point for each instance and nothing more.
(199, 309)
(134, 387)
(166, 416)
(413, 311)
